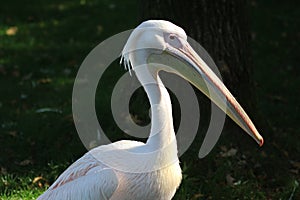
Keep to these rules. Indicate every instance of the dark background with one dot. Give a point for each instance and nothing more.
(42, 44)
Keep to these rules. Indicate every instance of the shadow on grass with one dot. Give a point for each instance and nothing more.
(42, 44)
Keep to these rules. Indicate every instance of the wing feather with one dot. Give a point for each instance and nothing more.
(99, 184)
(87, 178)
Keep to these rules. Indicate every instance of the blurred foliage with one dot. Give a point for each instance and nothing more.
(42, 44)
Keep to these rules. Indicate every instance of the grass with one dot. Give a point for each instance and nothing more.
(42, 44)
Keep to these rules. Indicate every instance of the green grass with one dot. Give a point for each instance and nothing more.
(38, 64)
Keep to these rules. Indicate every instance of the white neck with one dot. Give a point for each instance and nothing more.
(162, 131)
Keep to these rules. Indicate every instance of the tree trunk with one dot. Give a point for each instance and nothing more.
(221, 27)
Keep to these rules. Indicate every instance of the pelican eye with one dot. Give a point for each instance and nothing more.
(172, 37)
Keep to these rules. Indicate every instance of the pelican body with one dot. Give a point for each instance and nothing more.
(127, 170)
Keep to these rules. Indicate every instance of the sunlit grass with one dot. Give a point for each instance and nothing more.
(42, 44)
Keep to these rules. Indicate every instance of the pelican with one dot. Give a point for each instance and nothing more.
(128, 169)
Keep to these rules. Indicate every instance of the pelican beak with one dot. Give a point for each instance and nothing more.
(197, 72)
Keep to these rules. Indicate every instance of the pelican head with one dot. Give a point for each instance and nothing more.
(163, 46)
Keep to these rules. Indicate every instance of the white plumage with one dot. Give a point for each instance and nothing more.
(88, 178)
(131, 170)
